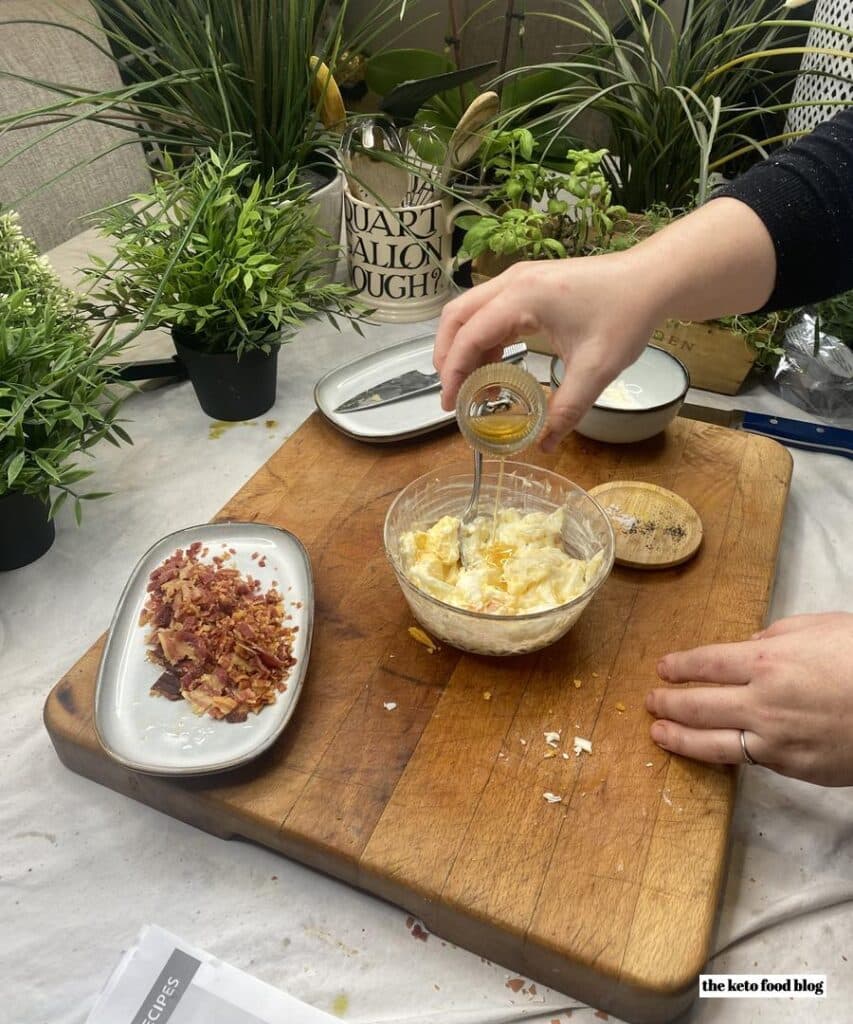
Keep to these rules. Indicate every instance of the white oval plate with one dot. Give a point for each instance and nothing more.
(395, 421)
(163, 737)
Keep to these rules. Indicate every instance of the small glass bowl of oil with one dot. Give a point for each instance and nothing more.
(500, 409)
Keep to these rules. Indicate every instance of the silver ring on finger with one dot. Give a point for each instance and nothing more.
(746, 755)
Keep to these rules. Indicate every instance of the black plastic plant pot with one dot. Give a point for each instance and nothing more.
(26, 533)
(228, 388)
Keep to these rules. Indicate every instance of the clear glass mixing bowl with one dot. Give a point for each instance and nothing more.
(446, 491)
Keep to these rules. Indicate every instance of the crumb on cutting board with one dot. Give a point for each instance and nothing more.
(417, 634)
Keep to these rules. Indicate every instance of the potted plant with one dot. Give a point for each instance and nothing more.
(536, 212)
(231, 263)
(681, 98)
(198, 73)
(58, 398)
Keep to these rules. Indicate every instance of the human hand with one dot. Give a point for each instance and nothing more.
(790, 688)
(597, 311)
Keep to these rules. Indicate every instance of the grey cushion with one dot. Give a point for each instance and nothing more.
(54, 54)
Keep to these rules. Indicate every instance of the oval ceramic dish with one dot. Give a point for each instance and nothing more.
(397, 421)
(657, 379)
(162, 737)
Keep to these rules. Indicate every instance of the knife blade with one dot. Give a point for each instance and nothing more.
(812, 437)
(412, 383)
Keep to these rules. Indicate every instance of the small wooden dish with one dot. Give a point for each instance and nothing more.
(654, 528)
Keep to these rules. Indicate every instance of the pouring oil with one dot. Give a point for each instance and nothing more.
(500, 410)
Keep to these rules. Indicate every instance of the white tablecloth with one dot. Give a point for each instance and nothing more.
(82, 868)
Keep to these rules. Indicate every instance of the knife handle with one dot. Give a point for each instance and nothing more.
(813, 437)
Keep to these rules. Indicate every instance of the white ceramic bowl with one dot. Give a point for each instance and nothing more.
(656, 384)
(446, 491)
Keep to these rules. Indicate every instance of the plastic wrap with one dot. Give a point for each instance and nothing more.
(820, 382)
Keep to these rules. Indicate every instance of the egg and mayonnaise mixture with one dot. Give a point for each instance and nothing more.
(514, 564)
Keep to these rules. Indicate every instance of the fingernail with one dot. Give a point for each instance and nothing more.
(662, 670)
(650, 701)
(758, 635)
(658, 732)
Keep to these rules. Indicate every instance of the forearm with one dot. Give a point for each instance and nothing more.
(717, 261)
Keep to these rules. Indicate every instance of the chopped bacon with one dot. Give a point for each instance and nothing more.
(168, 686)
(221, 639)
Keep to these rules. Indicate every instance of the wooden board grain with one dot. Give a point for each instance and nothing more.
(610, 895)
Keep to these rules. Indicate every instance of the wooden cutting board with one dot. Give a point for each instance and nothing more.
(438, 806)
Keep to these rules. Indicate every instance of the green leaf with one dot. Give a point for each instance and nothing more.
(46, 468)
(15, 467)
(58, 502)
(390, 68)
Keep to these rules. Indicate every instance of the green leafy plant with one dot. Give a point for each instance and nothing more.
(200, 72)
(682, 100)
(232, 258)
(58, 397)
(578, 208)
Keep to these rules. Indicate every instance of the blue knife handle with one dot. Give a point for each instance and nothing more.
(813, 437)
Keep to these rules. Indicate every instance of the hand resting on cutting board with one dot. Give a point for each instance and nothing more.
(790, 688)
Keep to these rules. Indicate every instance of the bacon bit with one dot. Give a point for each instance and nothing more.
(487, 694)
(390, 705)
(263, 563)
(168, 686)
(516, 984)
(620, 707)
(254, 555)
(419, 933)
(532, 990)
(225, 648)
(549, 753)
(577, 683)
(601, 1015)
(552, 798)
(417, 634)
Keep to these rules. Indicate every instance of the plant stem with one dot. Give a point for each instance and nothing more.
(510, 14)
(456, 46)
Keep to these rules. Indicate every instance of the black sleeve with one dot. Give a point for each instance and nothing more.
(804, 195)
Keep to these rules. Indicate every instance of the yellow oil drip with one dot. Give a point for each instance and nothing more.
(493, 540)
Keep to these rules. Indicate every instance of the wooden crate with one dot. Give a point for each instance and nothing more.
(716, 358)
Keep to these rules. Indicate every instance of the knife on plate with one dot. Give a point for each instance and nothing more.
(407, 385)
(813, 437)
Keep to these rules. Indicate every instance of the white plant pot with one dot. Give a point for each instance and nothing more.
(328, 203)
